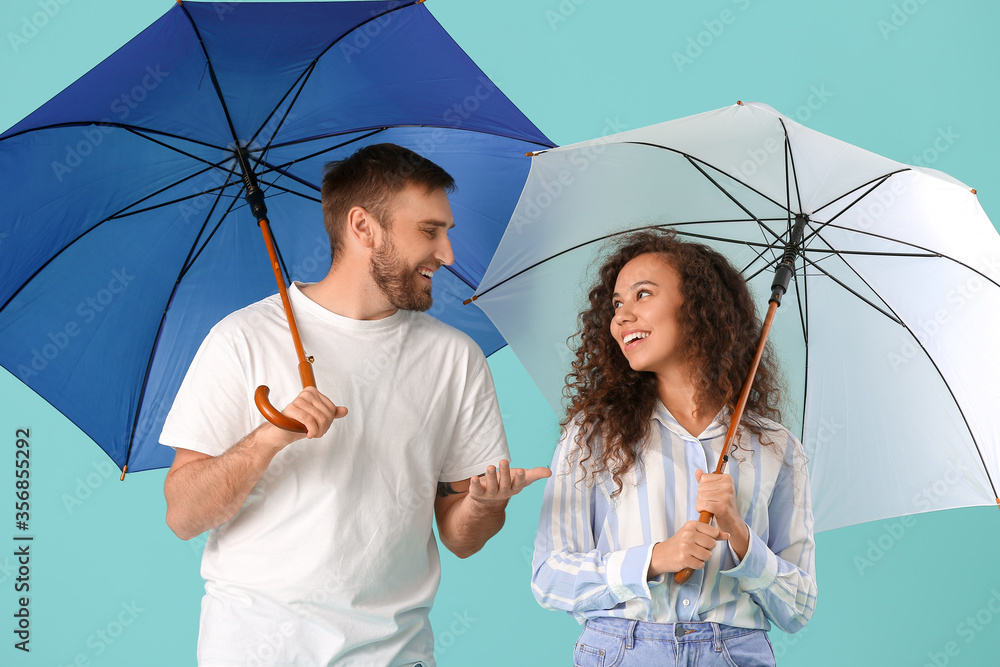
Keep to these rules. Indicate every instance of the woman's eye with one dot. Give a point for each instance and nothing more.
(616, 304)
(641, 292)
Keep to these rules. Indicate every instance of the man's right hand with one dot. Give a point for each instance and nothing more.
(690, 547)
(204, 491)
(313, 410)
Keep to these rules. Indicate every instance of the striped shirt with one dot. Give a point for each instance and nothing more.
(592, 552)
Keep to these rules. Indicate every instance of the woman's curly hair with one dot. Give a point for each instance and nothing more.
(719, 334)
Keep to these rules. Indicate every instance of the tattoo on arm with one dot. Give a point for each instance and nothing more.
(445, 489)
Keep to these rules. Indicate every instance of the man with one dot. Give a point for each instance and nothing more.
(321, 550)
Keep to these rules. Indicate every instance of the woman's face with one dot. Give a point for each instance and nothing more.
(647, 299)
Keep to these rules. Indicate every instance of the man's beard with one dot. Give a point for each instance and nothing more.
(397, 281)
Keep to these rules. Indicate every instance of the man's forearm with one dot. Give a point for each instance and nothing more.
(470, 524)
(208, 492)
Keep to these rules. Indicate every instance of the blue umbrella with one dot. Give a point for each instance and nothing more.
(126, 236)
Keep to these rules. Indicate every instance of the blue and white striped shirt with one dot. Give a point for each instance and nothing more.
(592, 553)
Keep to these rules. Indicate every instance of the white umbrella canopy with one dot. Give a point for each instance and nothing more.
(887, 335)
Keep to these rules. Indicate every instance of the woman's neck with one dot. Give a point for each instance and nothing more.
(676, 390)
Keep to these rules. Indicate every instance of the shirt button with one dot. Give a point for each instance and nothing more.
(686, 602)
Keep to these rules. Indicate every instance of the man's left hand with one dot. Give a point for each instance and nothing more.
(498, 485)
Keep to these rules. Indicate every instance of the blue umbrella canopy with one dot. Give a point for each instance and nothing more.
(125, 233)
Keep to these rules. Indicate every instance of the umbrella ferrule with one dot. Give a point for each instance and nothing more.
(786, 267)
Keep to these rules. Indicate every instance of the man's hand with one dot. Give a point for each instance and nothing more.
(466, 520)
(313, 410)
(691, 546)
(497, 486)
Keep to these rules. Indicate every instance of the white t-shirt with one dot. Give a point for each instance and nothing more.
(332, 560)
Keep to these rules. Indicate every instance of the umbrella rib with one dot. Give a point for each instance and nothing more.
(731, 197)
(163, 316)
(770, 264)
(160, 191)
(798, 300)
(880, 179)
(612, 235)
(269, 168)
(169, 147)
(123, 126)
(290, 191)
(368, 128)
(211, 73)
(303, 77)
(320, 152)
(805, 374)
(308, 71)
(928, 252)
(764, 249)
(114, 216)
(930, 358)
(692, 158)
(119, 216)
(208, 240)
(791, 160)
(892, 317)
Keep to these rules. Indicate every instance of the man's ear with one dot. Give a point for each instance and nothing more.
(361, 226)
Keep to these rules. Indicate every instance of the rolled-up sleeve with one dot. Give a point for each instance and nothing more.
(780, 573)
(569, 572)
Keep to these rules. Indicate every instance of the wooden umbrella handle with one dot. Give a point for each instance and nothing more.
(255, 200)
(260, 397)
(734, 423)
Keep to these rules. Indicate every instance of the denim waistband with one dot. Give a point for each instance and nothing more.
(682, 632)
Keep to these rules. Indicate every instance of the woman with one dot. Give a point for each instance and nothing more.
(663, 352)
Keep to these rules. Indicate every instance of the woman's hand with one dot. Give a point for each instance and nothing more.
(691, 546)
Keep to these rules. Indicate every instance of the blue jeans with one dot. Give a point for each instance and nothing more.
(617, 642)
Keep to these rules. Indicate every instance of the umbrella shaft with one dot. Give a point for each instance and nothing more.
(305, 368)
(734, 423)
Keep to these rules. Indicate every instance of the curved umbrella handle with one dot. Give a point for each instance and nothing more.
(272, 414)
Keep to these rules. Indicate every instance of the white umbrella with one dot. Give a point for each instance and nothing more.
(887, 334)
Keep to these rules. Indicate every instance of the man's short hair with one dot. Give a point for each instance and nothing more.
(371, 178)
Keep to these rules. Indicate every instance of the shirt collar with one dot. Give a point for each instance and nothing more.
(719, 425)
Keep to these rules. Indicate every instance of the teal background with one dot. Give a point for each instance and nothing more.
(577, 68)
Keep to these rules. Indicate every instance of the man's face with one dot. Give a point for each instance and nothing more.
(414, 246)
